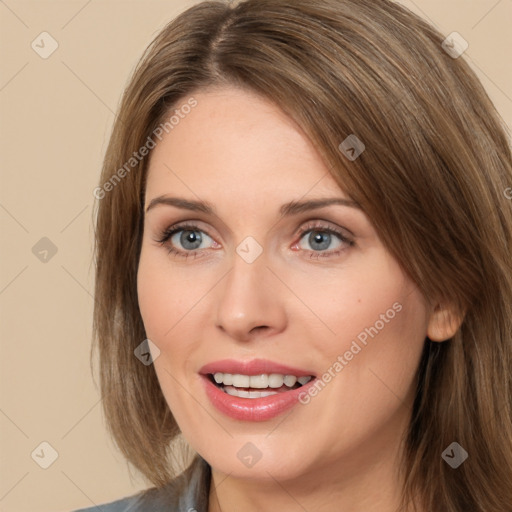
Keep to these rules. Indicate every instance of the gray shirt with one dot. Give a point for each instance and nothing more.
(188, 492)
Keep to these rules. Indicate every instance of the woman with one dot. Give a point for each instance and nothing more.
(303, 265)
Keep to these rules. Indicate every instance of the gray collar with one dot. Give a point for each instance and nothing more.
(186, 493)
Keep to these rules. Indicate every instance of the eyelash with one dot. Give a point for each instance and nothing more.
(168, 233)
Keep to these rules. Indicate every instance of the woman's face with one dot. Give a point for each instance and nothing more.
(309, 289)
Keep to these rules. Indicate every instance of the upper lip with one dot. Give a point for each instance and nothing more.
(253, 367)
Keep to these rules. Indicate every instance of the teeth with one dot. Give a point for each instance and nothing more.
(258, 381)
(290, 380)
(263, 381)
(275, 380)
(230, 390)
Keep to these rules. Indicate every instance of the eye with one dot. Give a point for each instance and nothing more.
(189, 240)
(323, 240)
(186, 240)
(317, 239)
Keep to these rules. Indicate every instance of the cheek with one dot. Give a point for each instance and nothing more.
(152, 298)
(165, 296)
(352, 297)
(164, 299)
(375, 313)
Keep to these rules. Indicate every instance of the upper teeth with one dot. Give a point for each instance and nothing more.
(274, 380)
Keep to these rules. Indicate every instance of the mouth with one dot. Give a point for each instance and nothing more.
(257, 386)
(255, 390)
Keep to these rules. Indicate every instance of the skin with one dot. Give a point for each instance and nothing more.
(243, 155)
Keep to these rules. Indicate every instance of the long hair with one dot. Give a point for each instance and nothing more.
(433, 180)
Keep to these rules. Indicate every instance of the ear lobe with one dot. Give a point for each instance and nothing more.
(444, 322)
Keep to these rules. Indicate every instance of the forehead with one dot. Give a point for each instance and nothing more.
(236, 142)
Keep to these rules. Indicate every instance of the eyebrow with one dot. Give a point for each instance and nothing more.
(288, 209)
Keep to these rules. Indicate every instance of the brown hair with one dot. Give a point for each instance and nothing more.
(432, 180)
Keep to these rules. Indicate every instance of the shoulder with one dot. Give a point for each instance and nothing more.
(122, 505)
(188, 491)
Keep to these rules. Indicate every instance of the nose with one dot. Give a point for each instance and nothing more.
(250, 301)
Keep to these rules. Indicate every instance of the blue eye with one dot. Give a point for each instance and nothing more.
(320, 240)
(189, 237)
(324, 241)
(188, 240)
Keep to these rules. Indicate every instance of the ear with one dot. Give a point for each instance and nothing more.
(444, 322)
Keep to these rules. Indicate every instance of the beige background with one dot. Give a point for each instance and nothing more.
(56, 115)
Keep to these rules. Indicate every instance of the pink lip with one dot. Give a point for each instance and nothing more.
(252, 409)
(253, 367)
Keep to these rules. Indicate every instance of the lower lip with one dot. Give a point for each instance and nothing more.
(253, 409)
